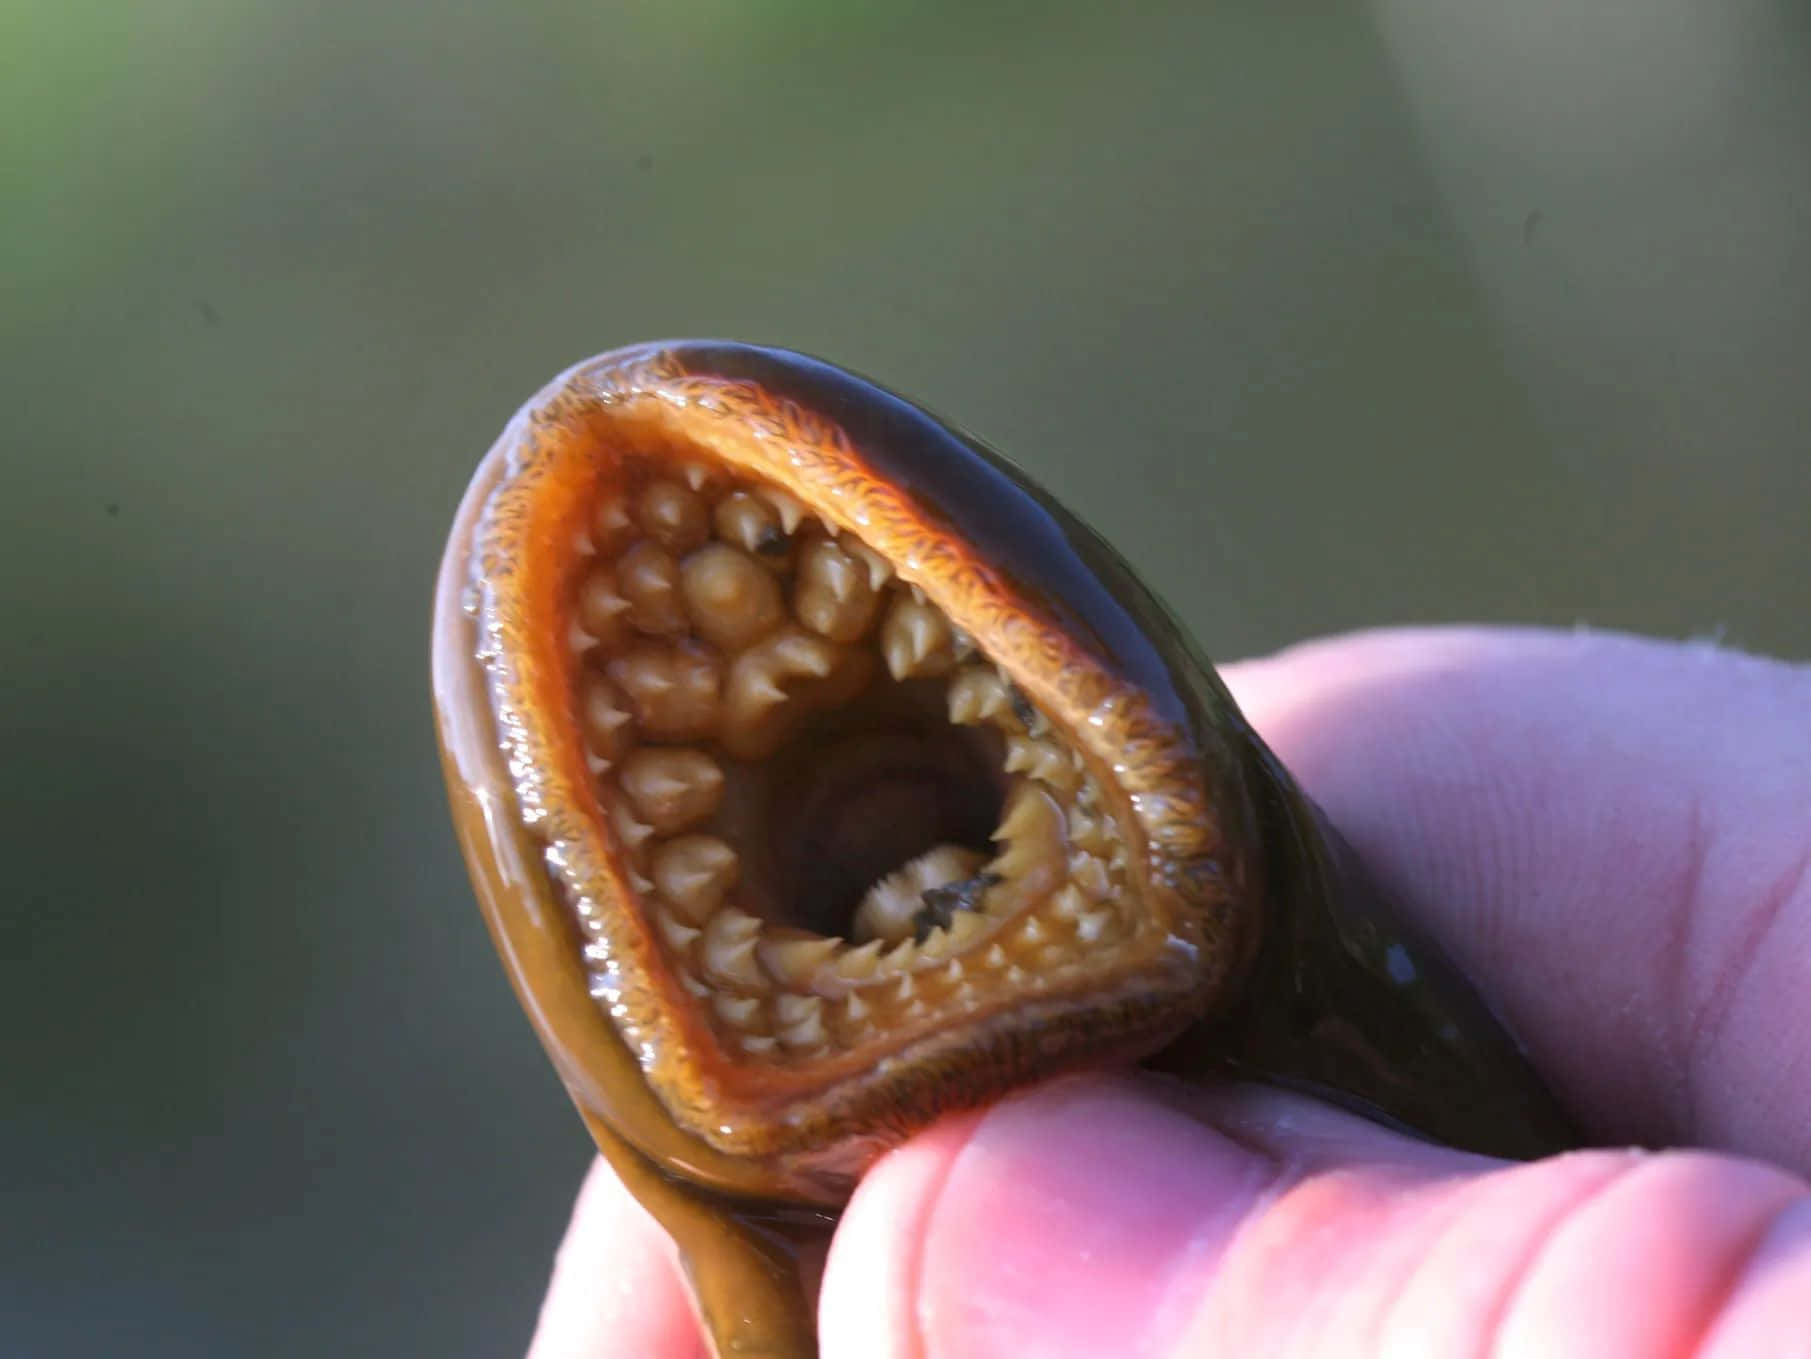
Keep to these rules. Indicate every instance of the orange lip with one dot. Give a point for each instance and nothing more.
(905, 487)
(735, 657)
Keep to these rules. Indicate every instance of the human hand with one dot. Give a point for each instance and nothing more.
(1613, 840)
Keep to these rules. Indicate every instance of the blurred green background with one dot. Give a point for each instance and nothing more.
(1328, 315)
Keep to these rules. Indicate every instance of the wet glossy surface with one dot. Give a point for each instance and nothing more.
(1329, 319)
(1302, 974)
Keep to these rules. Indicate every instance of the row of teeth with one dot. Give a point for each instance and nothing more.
(688, 635)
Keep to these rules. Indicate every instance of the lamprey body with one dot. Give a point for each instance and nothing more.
(818, 774)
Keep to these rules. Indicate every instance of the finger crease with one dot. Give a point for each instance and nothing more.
(1711, 1015)
(1722, 1297)
(920, 1247)
(1525, 1268)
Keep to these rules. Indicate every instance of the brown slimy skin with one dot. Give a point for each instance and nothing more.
(659, 535)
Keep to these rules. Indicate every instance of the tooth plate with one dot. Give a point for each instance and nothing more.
(707, 610)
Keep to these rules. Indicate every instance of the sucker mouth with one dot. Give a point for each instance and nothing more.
(843, 821)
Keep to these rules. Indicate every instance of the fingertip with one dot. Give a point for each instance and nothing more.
(616, 1287)
(1605, 832)
(1055, 1224)
(1646, 1266)
(869, 1301)
(1770, 1296)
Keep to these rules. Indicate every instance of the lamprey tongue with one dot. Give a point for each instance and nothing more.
(818, 774)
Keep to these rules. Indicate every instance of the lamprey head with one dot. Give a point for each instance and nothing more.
(818, 773)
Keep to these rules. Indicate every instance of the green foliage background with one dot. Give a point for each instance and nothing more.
(1328, 315)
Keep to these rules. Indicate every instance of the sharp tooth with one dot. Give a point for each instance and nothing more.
(1030, 814)
(1016, 861)
(833, 597)
(802, 654)
(915, 638)
(597, 764)
(1086, 831)
(631, 833)
(854, 1010)
(739, 1011)
(887, 910)
(1015, 975)
(859, 963)
(800, 1020)
(965, 927)
(693, 872)
(673, 516)
(609, 524)
(606, 722)
(936, 942)
(675, 690)
(1090, 874)
(994, 957)
(787, 662)
(837, 574)
(582, 544)
(965, 707)
(790, 1009)
(1068, 902)
(953, 972)
(880, 570)
(977, 693)
(1092, 928)
(905, 989)
(696, 474)
(672, 787)
(729, 949)
(754, 690)
(642, 886)
(1031, 932)
(810, 1034)
(941, 866)
(1043, 761)
(578, 639)
(749, 523)
(677, 933)
(789, 510)
(902, 956)
(797, 960)
(647, 575)
(652, 684)
(758, 1044)
(600, 602)
(695, 987)
(1056, 769)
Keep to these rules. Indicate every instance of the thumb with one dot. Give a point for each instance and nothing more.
(1127, 1217)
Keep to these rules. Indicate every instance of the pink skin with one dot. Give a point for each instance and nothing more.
(1613, 838)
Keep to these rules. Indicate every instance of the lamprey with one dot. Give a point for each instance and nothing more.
(818, 774)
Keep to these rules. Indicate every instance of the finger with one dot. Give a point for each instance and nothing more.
(1098, 1217)
(1611, 838)
(616, 1289)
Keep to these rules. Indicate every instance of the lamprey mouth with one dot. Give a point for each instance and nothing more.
(846, 824)
(818, 774)
(852, 818)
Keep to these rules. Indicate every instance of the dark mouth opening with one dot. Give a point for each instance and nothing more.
(834, 809)
(861, 791)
